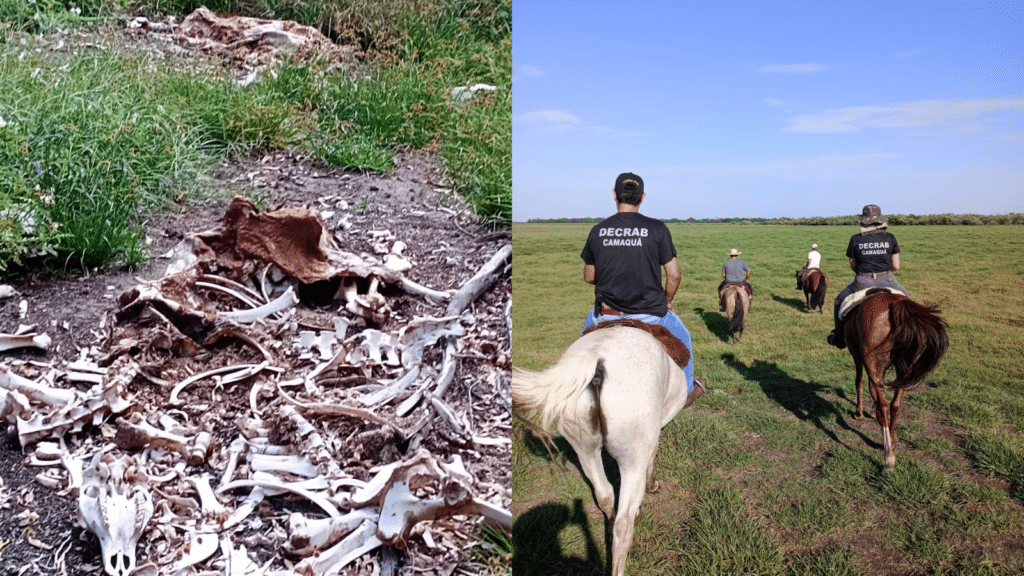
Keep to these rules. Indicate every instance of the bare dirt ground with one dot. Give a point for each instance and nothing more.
(414, 204)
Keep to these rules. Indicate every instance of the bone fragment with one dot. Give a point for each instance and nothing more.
(434, 296)
(290, 463)
(135, 434)
(238, 372)
(331, 561)
(282, 303)
(307, 536)
(12, 341)
(286, 487)
(199, 547)
(52, 397)
(479, 283)
(212, 508)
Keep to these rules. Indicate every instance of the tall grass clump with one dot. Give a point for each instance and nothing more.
(83, 154)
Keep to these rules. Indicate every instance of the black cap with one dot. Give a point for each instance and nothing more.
(627, 182)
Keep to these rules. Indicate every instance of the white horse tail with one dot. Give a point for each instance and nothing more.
(566, 396)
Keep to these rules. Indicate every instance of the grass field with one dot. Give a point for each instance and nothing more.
(770, 473)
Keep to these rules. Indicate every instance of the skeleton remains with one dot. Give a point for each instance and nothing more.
(271, 357)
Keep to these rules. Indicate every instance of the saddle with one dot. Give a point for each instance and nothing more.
(675, 348)
(858, 297)
(721, 293)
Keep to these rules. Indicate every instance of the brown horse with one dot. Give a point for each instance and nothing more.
(736, 301)
(815, 284)
(892, 331)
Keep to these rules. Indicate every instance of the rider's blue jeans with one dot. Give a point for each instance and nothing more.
(670, 321)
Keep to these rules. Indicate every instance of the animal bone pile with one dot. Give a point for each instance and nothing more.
(255, 415)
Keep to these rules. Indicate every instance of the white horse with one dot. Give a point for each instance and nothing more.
(615, 388)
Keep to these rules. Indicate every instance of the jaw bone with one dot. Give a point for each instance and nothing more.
(115, 504)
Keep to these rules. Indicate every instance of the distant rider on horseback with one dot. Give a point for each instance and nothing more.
(813, 261)
(874, 255)
(735, 270)
(623, 259)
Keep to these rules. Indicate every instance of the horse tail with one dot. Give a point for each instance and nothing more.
(918, 341)
(565, 396)
(818, 298)
(736, 321)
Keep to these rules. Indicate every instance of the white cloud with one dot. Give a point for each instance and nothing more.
(527, 70)
(920, 114)
(561, 121)
(550, 117)
(792, 68)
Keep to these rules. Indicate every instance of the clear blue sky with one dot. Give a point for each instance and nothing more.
(749, 108)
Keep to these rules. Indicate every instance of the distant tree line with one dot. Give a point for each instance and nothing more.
(894, 219)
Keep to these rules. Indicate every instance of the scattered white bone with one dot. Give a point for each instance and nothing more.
(135, 434)
(434, 296)
(306, 536)
(331, 561)
(12, 341)
(200, 546)
(282, 303)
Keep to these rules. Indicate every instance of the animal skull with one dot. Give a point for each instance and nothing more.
(115, 504)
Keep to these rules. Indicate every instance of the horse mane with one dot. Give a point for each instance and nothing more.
(675, 348)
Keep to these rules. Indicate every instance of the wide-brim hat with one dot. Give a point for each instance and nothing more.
(734, 252)
(627, 182)
(872, 215)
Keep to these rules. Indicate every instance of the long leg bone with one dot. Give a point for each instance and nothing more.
(308, 536)
(12, 341)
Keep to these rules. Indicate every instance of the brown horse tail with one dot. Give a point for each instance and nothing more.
(736, 322)
(919, 341)
(818, 298)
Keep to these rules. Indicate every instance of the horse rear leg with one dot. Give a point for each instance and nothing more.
(894, 412)
(636, 470)
(588, 450)
(860, 388)
(883, 416)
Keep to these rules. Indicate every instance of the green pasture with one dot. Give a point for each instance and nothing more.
(769, 473)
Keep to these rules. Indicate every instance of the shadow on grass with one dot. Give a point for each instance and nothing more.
(536, 547)
(716, 323)
(794, 303)
(802, 399)
(535, 534)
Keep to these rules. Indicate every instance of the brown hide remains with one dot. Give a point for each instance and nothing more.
(673, 346)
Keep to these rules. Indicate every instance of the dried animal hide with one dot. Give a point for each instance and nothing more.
(252, 39)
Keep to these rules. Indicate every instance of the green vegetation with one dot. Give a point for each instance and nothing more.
(769, 473)
(92, 145)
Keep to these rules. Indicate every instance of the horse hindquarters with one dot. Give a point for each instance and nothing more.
(633, 412)
(919, 341)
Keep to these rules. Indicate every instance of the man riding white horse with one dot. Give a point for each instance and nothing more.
(623, 259)
(874, 256)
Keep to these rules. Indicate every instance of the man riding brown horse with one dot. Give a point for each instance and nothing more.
(874, 256)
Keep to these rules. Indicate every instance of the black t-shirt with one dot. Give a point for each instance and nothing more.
(627, 251)
(873, 251)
